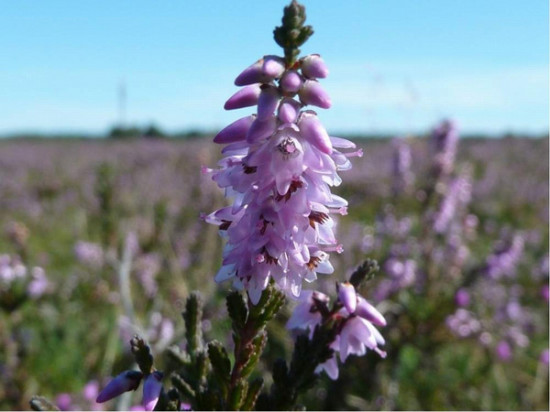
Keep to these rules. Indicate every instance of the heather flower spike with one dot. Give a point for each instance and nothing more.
(279, 165)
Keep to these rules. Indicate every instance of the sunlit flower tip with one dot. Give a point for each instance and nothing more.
(330, 367)
(252, 74)
(313, 66)
(288, 110)
(261, 129)
(312, 93)
(314, 132)
(273, 66)
(366, 311)
(347, 296)
(236, 131)
(291, 82)
(151, 390)
(267, 102)
(247, 96)
(126, 381)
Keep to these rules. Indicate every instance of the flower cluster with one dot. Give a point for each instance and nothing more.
(279, 165)
(16, 278)
(356, 333)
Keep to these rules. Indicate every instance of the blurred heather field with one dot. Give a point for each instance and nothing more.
(465, 291)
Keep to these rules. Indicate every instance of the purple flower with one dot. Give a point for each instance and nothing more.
(462, 297)
(544, 357)
(357, 335)
(152, 388)
(89, 253)
(39, 283)
(347, 296)
(457, 196)
(125, 382)
(278, 168)
(503, 261)
(444, 142)
(64, 401)
(313, 66)
(504, 351)
(401, 166)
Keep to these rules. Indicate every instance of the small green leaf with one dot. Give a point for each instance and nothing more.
(236, 306)
(252, 394)
(237, 395)
(221, 366)
(193, 317)
(255, 350)
(182, 386)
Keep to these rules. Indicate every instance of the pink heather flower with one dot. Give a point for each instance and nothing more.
(313, 66)
(278, 167)
(306, 315)
(358, 333)
(64, 401)
(504, 351)
(444, 141)
(125, 382)
(151, 390)
(347, 296)
(462, 297)
(544, 357)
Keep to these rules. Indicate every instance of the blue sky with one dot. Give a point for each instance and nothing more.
(395, 66)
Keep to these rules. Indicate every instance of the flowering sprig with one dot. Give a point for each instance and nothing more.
(278, 167)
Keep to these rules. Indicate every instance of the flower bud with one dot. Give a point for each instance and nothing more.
(247, 96)
(313, 93)
(236, 131)
(313, 66)
(288, 110)
(261, 129)
(252, 74)
(462, 297)
(267, 102)
(347, 296)
(273, 67)
(314, 132)
(151, 390)
(126, 381)
(367, 311)
(291, 81)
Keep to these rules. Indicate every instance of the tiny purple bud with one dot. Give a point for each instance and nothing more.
(151, 390)
(247, 96)
(261, 129)
(313, 131)
(126, 381)
(347, 296)
(368, 312)
(267, 102)
(236, 131)
(288, 110)
(252, 74)
(291, 81)
(273, 66)
(312, 93)
(462, 298)
(504, 351)
(313, 66)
